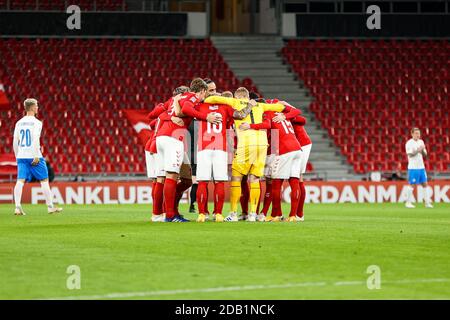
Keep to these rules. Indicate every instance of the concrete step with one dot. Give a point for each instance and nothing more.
(251, 57)
(259, 72)
(319, 164)
(259, 59)
(275, 87)
(287, 95)
(245, 50)
(240, 65)
(279, 79)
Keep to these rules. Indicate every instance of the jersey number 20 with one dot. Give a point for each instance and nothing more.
(25, 138)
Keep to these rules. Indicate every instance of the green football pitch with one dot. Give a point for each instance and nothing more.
(339, 252)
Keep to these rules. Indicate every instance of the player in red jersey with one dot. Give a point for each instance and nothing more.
(212, 156)
(158, 115)
(170, 144)
(287, 158)
(306, 144)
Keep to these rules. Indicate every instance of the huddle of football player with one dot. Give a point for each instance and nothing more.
(264, 140)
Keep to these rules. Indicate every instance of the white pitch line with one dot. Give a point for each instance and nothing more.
(123, 295)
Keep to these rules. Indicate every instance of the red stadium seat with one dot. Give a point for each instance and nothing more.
(368, 95)
(82, 86)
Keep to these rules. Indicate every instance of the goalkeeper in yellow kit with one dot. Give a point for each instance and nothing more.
(251, 152)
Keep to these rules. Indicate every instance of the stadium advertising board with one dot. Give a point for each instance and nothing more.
(140, 192)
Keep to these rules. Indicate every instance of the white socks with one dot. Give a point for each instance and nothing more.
(18, 193)
(427, 195)
(409, 194)
(47, 193)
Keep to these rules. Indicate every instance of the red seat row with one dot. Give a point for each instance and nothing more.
(83, 85)
(368, 94)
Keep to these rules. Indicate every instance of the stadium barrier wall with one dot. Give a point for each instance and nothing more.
(354, 25)
(140, 192)
(96, 24)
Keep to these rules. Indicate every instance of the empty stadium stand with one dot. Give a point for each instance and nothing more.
(82, 86)
(370, 93)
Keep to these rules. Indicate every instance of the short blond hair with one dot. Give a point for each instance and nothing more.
(29, 102)
(242, 92)
(227, 94)
(414, 130)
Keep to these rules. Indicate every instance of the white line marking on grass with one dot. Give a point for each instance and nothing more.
(123, 295)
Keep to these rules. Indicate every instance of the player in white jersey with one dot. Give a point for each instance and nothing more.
(30, 162)
(415, 149)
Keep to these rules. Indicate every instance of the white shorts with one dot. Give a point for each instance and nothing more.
(305, 156)
(170, 155)
(287, 165)
(268, 167)
(212, 164)
(150, 161)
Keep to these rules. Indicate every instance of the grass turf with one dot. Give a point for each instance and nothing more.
(326, 257)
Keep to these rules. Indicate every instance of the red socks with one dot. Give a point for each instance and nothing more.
(295, 195)
(219, 196)
(182, 186)
(202, 197)
(170, 188)
(245, 196)
(276, 197)
(267, 198)
(157, 194)
(301, 200)
(259, 200)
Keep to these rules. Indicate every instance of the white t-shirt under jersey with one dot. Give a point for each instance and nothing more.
(414, 162)
(27, 134)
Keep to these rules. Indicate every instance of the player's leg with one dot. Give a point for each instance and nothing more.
(412, 180)
(23, 172)
(268, 192)
(239, 168)
(204, 175)
(235, 194)
(40, 172)
(18, 188)
(193, 193)
(427, 196)
(220, 175)
(276, 214)
(267, 197)
(245, 197)
(301, 200)
(306, 150)
(219, 199)
(184, 183)
(158, 200)
(172, 152)
(258, 160)
(294, 183)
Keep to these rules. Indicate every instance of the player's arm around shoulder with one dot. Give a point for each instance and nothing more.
(232, 102)
(277, 107)
(244, 112)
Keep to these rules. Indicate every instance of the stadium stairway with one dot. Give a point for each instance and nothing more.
(258, 58)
